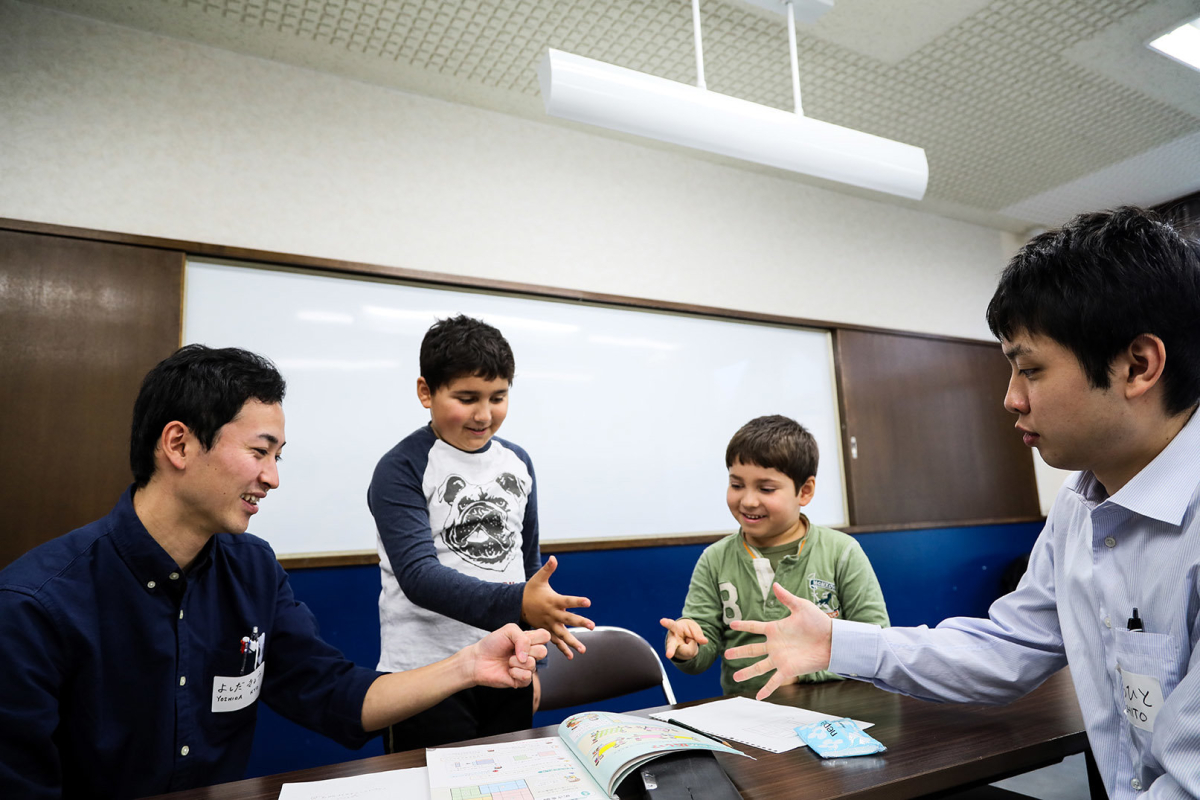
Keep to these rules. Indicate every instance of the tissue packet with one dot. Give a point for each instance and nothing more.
(836, 738)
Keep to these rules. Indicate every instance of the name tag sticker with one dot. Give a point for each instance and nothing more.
(234, 694)
(1143, 698)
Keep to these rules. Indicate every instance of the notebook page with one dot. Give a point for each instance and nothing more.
(766, 726)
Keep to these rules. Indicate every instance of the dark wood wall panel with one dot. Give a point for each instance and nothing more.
(81, 322)
(933, 441)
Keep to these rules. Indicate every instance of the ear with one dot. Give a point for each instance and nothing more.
(423, 393)
(1140, 367)
(807, 490)
(509, 483)
(176, 444)
(450, 489)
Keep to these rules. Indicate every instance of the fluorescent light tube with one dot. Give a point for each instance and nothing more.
(584, 90)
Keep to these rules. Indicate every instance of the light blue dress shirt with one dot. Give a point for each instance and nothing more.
(1097, 559)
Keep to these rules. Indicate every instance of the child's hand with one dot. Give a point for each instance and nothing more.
(542, 607)
(684, 638)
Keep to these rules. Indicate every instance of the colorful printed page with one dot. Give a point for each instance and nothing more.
(611, 746)
(533, 769)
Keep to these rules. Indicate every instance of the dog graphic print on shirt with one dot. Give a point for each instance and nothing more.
(479, 526)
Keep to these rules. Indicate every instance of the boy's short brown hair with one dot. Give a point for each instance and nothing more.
(775, 442)
(463, 346)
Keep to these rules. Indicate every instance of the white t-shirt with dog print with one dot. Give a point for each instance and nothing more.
(457, 539)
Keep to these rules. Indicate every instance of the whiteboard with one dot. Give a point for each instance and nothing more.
(625, 413)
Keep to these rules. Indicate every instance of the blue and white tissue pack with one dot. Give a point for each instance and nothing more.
(838, 738)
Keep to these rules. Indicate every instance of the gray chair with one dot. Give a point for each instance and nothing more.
(617, 662)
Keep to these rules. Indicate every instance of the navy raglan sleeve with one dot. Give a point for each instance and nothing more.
(530, 547)
(307, 679)
(401, 516)
(32, 664)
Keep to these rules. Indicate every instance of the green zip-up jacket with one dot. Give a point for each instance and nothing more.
(831, 570)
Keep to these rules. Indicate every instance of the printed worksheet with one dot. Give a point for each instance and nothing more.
(533, 769)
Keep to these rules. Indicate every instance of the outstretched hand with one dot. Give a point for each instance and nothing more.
(507, 658)
(796, 645)
(542, 607)
(684, 638)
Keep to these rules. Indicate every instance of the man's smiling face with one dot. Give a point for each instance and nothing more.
(223, 485)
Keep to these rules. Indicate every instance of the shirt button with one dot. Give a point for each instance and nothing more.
(182, 680)
(1136, 784)
(181, 613)
(150, 584)
(183, 751)
(1107, 622)
(174, 576)
(1110, 542)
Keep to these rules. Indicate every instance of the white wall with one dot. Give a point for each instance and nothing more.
(106, 127)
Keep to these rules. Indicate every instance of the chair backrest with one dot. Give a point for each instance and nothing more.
(617, 662)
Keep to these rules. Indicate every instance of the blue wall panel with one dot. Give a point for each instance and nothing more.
(926, 576)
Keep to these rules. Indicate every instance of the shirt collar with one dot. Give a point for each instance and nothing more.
(756, 553)
(1164, 488)
(145, 557)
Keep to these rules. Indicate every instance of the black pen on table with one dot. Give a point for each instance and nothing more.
(697, 730)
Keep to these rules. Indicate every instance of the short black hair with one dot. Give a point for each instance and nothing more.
(1102, 280)
(202, 387)
(464, 346)
(775, 442)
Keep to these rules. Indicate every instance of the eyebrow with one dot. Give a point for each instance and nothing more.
(1016, 350)
(270, 438)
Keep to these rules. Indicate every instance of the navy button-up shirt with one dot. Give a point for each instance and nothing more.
(110, 654)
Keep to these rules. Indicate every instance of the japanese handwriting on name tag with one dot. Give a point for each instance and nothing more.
(233, 694)
(1143, 698)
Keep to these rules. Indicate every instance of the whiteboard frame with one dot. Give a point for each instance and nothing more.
(584, 300)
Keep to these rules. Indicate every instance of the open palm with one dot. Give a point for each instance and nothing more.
(795, 645)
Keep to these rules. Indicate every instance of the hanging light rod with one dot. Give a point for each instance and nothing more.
(592, 92)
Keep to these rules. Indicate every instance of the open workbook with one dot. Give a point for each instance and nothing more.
(592, 754)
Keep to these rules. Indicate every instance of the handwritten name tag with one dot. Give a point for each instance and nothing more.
(234, 694)
(1143, 698)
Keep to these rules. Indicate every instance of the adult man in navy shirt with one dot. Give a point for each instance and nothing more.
(134, 650)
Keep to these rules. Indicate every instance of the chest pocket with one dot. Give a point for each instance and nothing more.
(1148, 670)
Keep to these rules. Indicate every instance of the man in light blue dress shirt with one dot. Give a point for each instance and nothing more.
(1101, 323)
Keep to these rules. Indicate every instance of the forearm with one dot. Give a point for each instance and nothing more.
(476, 602)
(962, 660)
(400, 695)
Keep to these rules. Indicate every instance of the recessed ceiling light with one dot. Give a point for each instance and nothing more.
(1181, 44)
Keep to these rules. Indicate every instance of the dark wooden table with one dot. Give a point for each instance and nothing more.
(932, 747)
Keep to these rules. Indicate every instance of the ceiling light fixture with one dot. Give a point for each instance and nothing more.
(589, 91)
(1181, 44)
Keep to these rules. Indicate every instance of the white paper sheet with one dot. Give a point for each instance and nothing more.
(759, 724)
(529, 769)
(398, 783)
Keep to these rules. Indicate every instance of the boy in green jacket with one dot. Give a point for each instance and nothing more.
(772, 464)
